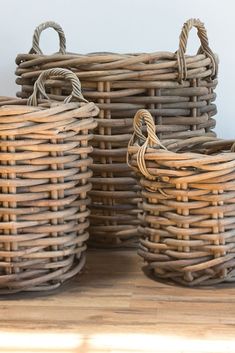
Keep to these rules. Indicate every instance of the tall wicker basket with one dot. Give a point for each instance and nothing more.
(188, 190)
(44, 171)
(177, 89)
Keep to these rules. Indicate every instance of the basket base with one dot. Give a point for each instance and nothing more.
(39, 284)
(180, 281)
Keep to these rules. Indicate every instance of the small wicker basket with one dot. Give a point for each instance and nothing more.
(44, 171)
(188, 193)
(177, 89)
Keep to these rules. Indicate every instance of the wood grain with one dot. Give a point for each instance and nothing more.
(114, 307)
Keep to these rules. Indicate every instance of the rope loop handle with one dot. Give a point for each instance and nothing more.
(204, 48)
(143, 116)
(37, 33)
(39, 86)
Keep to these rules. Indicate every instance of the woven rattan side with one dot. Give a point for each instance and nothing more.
(177, 89)
(187, 225)
(44, 181)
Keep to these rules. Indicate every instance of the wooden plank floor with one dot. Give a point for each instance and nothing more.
(113, 307)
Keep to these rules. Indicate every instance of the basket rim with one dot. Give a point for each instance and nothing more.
(152, 152)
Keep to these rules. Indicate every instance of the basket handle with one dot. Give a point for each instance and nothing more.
(39, 86)
(204, 48)
(36, 37)
(143, 116)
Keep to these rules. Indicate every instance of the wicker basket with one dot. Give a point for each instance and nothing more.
(188, 224)
(177, 89)
(44, 183)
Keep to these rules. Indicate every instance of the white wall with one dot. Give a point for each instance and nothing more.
(122, 26)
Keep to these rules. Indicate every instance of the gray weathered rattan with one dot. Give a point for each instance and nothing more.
(44, 171)
(188, 190)
(177, 89)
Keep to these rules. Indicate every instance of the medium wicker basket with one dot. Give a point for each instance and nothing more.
(188, 190)
(44, 173)
(177, 89)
